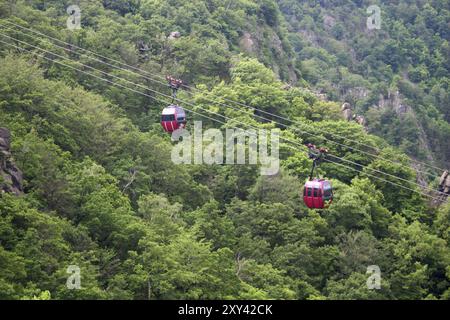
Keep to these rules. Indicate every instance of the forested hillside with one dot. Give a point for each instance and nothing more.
(87, 178)
(398, 75)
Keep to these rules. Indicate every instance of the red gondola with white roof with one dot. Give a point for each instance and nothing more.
(317, 193)
(173, 118)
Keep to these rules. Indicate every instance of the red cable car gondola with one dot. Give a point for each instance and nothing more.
(173, 118)
(317, 193)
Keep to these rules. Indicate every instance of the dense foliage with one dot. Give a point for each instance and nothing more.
(408, 55)
(102, 193)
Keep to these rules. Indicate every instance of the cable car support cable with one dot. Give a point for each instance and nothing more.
(213, 119)
(238, 103)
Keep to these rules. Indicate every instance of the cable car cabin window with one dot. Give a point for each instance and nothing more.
(316, 192)
(167, 117)
(327, 192)
(309, 192)
(181, 119)
(304, 192)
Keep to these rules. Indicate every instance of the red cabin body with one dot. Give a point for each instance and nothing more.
(173, 118)
(318, 194)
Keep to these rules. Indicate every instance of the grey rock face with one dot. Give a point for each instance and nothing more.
(11, 177)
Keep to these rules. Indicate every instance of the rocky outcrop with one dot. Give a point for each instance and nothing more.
(347, 111)
(443, 188)
(360, 120)
(394, 101)
(174, 35)
(357, 93)
(11, 177)
(329, 22)
(247, 42)
(444, 183)
(348, 115)
(266, 44)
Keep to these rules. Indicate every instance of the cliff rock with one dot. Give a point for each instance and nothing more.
(11, 177)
